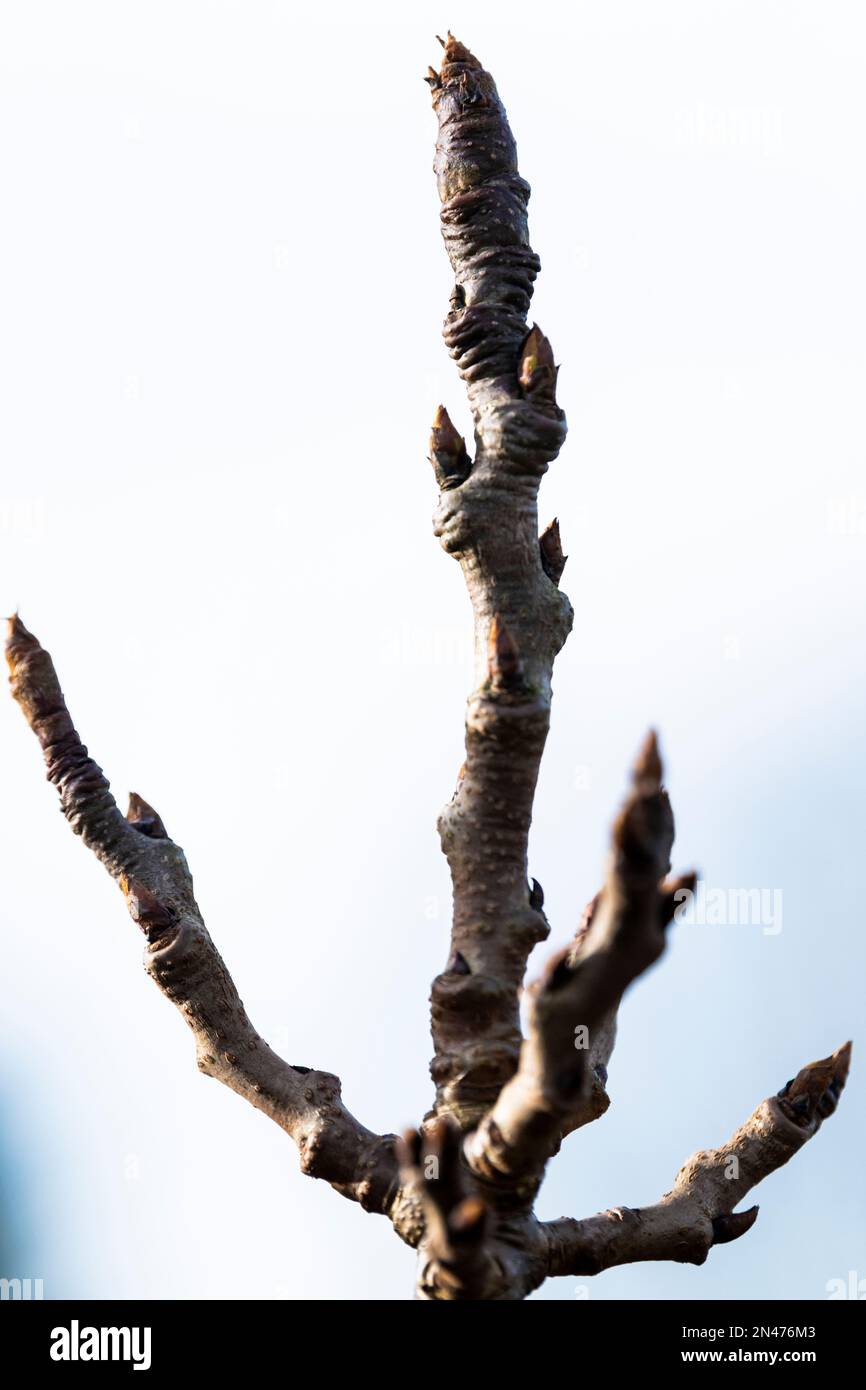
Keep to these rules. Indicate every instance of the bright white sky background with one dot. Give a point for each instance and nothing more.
(222, 290)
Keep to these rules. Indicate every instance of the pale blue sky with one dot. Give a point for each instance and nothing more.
(219, 357)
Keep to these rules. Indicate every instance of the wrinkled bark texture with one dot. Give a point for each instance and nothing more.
(461, 1188)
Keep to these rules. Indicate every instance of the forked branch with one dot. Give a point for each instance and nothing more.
(462, 1189)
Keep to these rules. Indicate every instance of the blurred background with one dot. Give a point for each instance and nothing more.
(222, 288)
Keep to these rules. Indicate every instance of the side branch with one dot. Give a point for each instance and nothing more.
(180, 955)
(698, 1212)
(573, 1007)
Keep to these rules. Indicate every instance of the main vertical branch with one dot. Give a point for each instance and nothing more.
(487, 518)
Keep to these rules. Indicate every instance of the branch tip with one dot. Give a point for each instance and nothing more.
(15, 627)
(456, 52)
(813, 1094)
(647, 772)
(18, 640)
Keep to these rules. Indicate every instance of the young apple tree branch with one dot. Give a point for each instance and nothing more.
(574, 1005)
(462, 1188)
(698, 1212)
(181, 957)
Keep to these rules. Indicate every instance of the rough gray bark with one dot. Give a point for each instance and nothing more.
(461, 1189)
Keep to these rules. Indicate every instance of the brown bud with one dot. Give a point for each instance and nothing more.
(144, 819)
(448, 455)
(36, 688)
(537, 370)
(841, 1065)
(503, 659)
(432, 79)
(733, 1225)
(17, 638)
(457, 52)
(536, 895)
(647, 771)
(145, 908)
(444, 436)
(552, 558)
(458, 965)
(30, 669)
(806, 1097)
(643, 832)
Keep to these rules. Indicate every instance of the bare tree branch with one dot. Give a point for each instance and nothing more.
(698, 1212)
(462, 1190)
(593, 1100)
(180, 955)
(573, 1007)
(487, 518)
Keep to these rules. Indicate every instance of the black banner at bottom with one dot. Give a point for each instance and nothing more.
(73, 1338)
